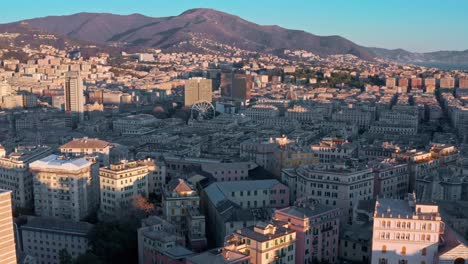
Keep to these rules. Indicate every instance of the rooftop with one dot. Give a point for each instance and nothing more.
(57, 225)
(308, 211)
(90, 143)
(60, 163)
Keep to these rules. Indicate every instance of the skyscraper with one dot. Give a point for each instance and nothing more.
(7, 237)
(241, 86)
(197, 89)
(74, 98)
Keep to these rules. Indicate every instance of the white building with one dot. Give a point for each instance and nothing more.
(405, 231)
(66, 188)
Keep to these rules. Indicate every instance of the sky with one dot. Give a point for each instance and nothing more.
(414, 25)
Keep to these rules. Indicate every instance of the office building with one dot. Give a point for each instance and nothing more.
(74, 97)
(241, 87)
(197, 89)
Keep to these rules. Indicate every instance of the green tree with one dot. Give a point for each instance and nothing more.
(65, 257)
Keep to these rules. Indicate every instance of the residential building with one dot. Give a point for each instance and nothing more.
(406, 231)
(65, 187)
(45, 238)
(80, 147)
(267, 243)
(317, 230)
(15, 174)
(177, 198)
(120, 183)
(341, 184)
(7, 236)
(251, 194)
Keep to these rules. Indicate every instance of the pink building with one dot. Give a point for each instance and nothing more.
(317, 231)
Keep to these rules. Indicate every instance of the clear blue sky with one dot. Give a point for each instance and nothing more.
(415, 25)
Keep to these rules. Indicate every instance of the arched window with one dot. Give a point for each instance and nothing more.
(428, 237)
(408, 225)
(388, 224)
(429, 226)
(384, 249)
(403, 250)
(398, 224)
(424, 251)
(403, 225)
(423, 237)
(459, 261)
(383, 223)
(397, 236)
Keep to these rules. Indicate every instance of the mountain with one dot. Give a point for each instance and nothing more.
(138, 31)
(442, 57)
(141, 31)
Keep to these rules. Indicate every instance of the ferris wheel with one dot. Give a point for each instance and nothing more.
(202, 110)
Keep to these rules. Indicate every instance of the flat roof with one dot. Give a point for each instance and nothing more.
(57, 162)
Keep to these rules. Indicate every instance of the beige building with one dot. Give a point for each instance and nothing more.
(64, 187)
(406, 231)
(74, 97)
(120, 183)
(7, 237)
(88, 147)
(267, 243)
(197, 89)
(341, 185)
(15, 174)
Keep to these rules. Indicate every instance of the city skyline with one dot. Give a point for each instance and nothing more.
(399, 24)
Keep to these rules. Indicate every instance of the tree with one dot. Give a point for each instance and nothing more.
(65, 257)
(87, 258)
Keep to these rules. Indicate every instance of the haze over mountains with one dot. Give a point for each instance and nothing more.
(141, 31)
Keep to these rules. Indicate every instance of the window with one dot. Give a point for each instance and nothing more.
(384, 249)
(403, 250)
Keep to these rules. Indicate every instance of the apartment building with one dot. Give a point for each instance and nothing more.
(317, 230)
(65, 187)
(7, 236)
(15, 174)
(267, 243)
(120, 183)
(406, 231)
(88, 147)
(44, 238)
(341, 184)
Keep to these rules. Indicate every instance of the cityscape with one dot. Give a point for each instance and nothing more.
(202, 137)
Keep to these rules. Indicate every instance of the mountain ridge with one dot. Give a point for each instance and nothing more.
(141, 31)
